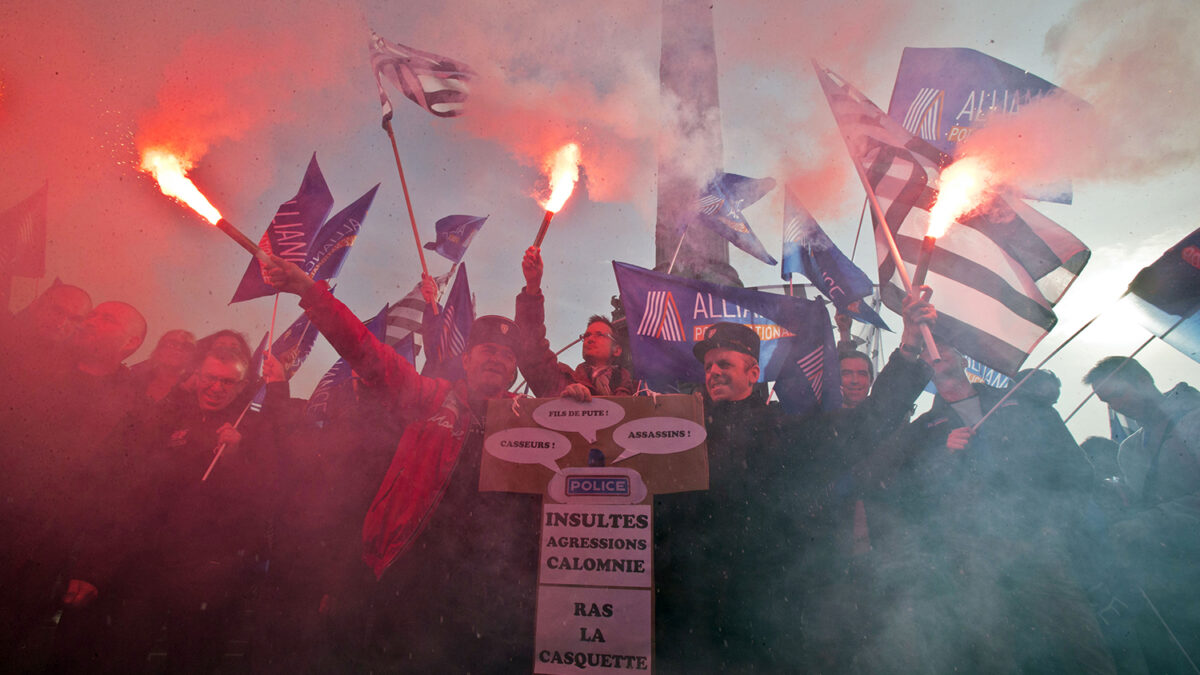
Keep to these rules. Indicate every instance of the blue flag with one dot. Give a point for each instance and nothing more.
(454, 235)
(291, 348)
(667, 315)
(333, 243)
(256, 359)
(1164, 297)
(293, 345)
(291, 232)
(445, 334)
(942, 93)
(720, 210)
(335, 387)
(809, 251)
(979, 373)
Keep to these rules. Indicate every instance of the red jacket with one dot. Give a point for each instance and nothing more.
(438, 416)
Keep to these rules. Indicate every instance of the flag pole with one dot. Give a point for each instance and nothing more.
(679, 245)
(408, 202)
(895, 250)
(861, 217)
(1028, 375)
(1122, 365)
(221, 448)
(274, 313)
(572, 343)
(887, 231)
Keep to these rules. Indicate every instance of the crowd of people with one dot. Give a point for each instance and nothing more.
(155, 521)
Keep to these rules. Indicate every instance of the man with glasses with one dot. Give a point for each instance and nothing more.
(601, 372)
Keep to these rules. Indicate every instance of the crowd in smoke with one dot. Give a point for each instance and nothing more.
(155, 518)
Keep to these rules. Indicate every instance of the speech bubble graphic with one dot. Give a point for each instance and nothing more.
(657, 436)
(528, 445)
(564, 414)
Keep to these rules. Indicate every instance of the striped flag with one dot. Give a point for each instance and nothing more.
(23, 237)
(446, 332)
(435, 83)
(405, 315)
(997, 273)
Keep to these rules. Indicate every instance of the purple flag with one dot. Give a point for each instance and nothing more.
(291, 232)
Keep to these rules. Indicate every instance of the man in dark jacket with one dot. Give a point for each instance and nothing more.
(730, 562)
(600, 374)
(973, 570)
(1159, 539)
(53, 421)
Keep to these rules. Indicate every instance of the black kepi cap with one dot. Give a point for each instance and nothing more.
(734, 336)
(495, 329)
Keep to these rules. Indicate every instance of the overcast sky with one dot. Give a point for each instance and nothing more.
(253, 90)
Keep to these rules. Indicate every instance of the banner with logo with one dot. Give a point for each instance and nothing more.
(668, 315)
(943, 93)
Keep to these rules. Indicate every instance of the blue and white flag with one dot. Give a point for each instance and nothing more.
(720, 210)
(445, 333)
(435, 83)
(942, 93)
(454, 235)
(335, 386)
(291, 232)
(667, 316)
(1164, 297)
(809, 251)
(997, 272)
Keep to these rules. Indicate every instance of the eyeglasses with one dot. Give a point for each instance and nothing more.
(225, 382)
(585, 336)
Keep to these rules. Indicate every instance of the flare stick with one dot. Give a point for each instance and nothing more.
(542, 230)
(242, 240)
(927, 246)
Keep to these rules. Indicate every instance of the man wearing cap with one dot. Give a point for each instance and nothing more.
(730, 561)
(455, 568)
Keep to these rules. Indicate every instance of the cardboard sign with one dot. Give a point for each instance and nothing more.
(599, 464)
(596, 545)
(600, 630)
(530, 441)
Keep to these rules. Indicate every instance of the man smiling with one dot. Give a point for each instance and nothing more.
(454, 569)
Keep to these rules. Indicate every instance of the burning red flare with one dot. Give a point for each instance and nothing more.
(962, 187)
(170, 171)
(562, 168)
